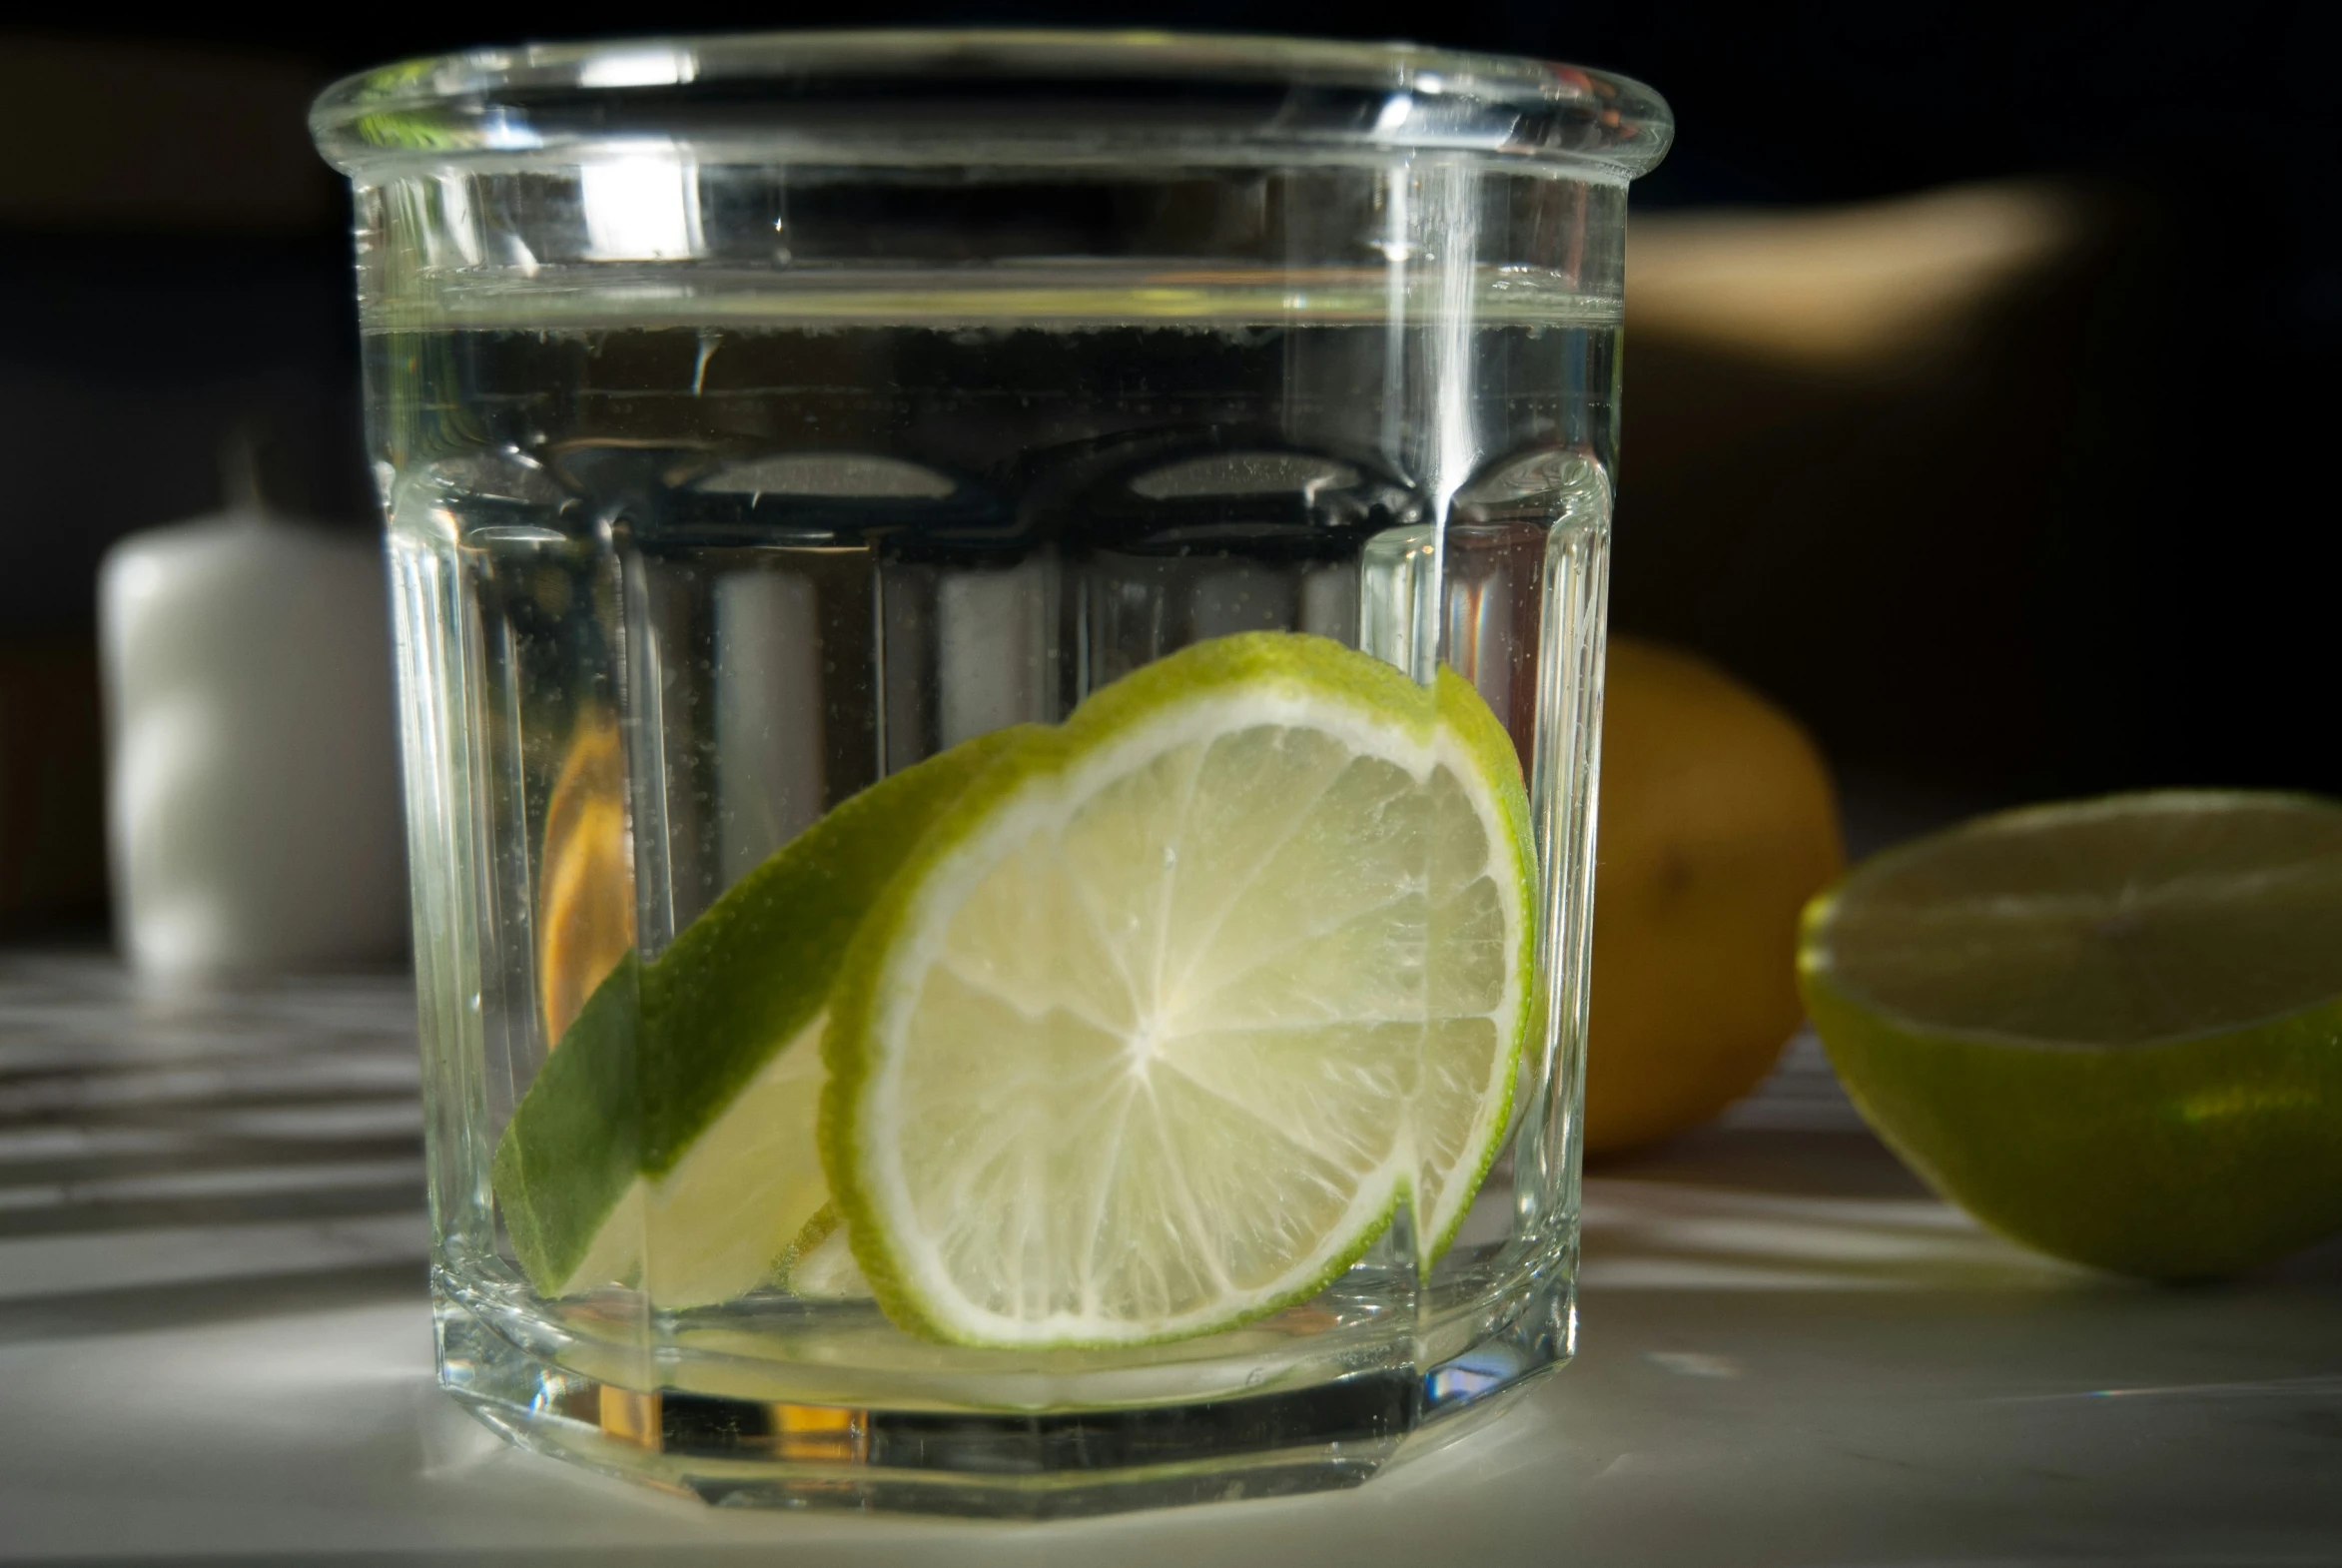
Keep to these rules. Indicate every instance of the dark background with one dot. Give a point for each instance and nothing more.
(2090, 544)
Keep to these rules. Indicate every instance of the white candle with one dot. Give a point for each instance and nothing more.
(252, 805)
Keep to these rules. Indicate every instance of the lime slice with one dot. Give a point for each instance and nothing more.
(1181, 1002)
(2111, 1029)
(670, 1136)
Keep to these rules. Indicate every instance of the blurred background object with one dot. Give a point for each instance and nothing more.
(174, 267)
(1880, 289)
(251, 778)
(1978, 361)
(1860, 473)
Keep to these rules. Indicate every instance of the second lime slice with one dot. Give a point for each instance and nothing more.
(669, 1138)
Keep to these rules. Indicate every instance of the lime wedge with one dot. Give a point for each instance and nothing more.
(670, 1136)
(1181, 1002)
(2111, 1029)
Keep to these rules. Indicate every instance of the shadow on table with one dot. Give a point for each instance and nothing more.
(186, 1305)
(1791, 1162)
(168, 1158)
(1784, 1209)
(1750, 1210)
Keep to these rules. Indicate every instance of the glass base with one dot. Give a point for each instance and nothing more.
(1005, 1464)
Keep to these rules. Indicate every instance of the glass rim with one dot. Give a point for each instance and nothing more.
(990, 96)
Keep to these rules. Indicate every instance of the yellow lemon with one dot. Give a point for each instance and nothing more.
(1717, 824)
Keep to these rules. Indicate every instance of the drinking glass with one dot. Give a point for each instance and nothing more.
(1000, 640)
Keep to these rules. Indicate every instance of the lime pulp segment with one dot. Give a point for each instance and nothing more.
(2118, 921)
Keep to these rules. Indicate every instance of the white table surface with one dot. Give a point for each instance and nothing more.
(213, 1346)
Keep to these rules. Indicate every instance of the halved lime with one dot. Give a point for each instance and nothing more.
(1177, 1005)
(2111, 1029)
(669, 1138)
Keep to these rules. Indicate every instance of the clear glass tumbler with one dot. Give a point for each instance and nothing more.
(1000, 640)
